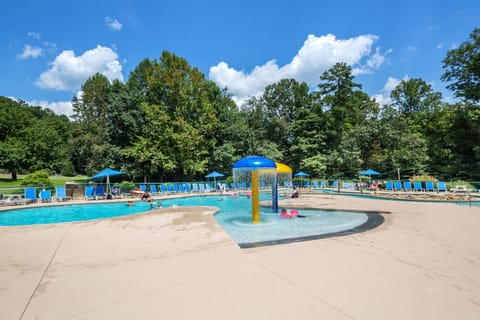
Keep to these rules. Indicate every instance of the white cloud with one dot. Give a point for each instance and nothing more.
(30, 52)
(69, 72)
(315, 56)
(113, 24)
(61, 107)
(383, 97)
(34, 35)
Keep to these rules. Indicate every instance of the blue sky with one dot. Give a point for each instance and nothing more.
(49, 48)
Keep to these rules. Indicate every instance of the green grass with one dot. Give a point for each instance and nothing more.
(8, 186)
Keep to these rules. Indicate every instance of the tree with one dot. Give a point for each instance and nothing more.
(92, 143)
(336, 92)
(281, 102)
(32, 138)
(462, 69)
(414, 96)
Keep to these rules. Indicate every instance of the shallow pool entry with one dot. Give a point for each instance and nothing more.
(234, 216)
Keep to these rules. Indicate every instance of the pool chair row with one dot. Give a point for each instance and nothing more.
(173, 188)
(34, 195)
(416, 186)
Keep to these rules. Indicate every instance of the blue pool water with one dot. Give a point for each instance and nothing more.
(234, 216)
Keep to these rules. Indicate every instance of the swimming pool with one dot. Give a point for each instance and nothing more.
(234, 216)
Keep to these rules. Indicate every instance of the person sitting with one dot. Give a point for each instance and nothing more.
(146, 196)
(295, 192)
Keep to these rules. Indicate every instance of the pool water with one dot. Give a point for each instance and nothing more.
(234, 216)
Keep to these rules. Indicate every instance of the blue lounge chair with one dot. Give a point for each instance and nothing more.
(323, 184)
(194, 187)
(153, 189)
(441, 186)
(335, 184)
(429, 186)
(397, 185)
(100, 192)
(45, 196)
(143, 187)
(306, 184)
(208, 188)
(89, 192)
(163, 190)
(389, 186)
(188, 189)
(407, 186)
(175, 188)
(116, 192)
(417, 186)
(201, 187)
(315, 184)
(30, 194)
(169, 188)
(61, 194)
(181, 187)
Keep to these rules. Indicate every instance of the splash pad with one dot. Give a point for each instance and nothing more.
(255, 169)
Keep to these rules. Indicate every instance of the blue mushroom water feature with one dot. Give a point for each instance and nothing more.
(255, 168)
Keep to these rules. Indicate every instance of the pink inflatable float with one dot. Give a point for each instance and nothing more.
(289, 214)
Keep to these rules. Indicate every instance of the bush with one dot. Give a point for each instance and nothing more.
(38, 179)
(126, 186)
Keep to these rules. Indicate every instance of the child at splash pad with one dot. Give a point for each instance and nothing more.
(290, 214)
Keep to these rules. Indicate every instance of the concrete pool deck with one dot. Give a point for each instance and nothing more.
(422, 263)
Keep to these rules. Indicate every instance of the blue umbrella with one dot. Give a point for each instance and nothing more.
(301, 174)
(214, 175)
(106, 173)
(370, 172)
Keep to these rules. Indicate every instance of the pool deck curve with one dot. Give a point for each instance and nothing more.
(423, 262)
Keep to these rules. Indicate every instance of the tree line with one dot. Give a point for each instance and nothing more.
(167, 122)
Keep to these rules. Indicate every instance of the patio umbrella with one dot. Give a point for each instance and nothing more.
(107, 173)
(370, 173)
(214, 175)
(301, 174)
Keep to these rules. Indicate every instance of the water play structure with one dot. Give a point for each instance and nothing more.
(254, 169)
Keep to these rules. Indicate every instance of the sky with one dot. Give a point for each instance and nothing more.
(50, 48)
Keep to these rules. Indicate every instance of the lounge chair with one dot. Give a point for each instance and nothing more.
(441, 186)
(100, 192)
(163, 189)
(306, 184)
(143, 187)
(208, 188)
(188, 188)
(45, 196)
(116, 192)
(153, 189)
(30, 194)
(194, 187)
(61, 194)
(315, 184)
(417, 186)
(175, 188)
(323, 184)
(397, 185)
(89, 192)
(201, 187)
(429, 186)
(169, 188)
(335, 184)
(407, 186)
(181, 187)
(389, 186)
